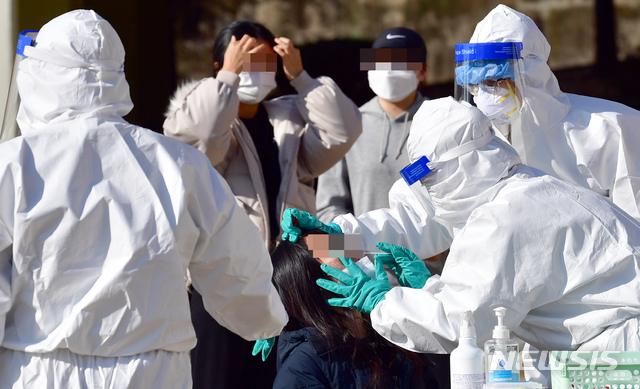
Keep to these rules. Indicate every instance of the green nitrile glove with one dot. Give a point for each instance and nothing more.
(295, 222)
(263, 346)
(361, 291)
(411, 271)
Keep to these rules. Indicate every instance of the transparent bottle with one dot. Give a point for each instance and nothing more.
(502, 363)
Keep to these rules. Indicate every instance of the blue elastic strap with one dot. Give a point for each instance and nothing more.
(24, 41)
(416, 171)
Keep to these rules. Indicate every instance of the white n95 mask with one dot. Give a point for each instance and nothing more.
(392, 85)
(499, 106)
(255, 86)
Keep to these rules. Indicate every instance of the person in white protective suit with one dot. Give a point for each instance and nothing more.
(583, 140)
(100, 221)
(562, 259)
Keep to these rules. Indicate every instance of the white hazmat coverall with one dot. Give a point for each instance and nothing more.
(405, 223)
(562, 259)
(583, 140)
(100, 221)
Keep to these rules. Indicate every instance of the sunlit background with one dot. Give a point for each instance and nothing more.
(595, 44)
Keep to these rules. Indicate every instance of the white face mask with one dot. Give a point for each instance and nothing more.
(500, 106)
(255, 86)
(393, 85)
(366, 266)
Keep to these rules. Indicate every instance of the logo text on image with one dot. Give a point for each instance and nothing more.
(594, 360)
(499, 362)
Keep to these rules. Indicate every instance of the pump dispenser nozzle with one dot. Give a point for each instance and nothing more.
(500, 331)
(502, 353)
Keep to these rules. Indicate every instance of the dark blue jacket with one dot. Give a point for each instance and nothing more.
(305, 362)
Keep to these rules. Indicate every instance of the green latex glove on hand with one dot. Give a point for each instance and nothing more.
(263, 346)
(295, 222)
(361, 291)
(411, 270)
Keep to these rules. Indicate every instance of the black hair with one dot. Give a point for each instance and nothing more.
(294, 276)
(239, 28)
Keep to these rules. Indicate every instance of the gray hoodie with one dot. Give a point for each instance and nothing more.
(360, 182)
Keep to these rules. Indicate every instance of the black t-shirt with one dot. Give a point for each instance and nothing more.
(261, 132)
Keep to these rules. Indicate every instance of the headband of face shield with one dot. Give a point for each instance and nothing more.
(67, 62)
(489, 75)
(27, 48)
(418, 170)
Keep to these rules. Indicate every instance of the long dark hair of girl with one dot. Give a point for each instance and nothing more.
(238, 29)
(294, 276)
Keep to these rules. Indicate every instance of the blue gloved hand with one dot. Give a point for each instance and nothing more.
(263, 346)
(361, 291)
(411, 271)
(295, 222)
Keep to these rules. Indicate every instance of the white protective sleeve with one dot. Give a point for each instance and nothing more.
(405, 223)
(230, 267)
(201, 113)
(333, 122)
(5, 277)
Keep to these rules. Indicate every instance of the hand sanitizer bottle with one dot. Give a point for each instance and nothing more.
(502, 363)
(467, 360)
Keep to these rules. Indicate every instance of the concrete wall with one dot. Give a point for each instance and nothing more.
(7, 49)
(569, 25)
(145, 28)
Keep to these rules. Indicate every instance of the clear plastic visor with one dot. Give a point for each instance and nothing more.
(494, 68)
(467, 90)
(9, 129)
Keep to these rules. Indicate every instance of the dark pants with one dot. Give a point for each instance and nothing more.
(222, 359)
(439, 366)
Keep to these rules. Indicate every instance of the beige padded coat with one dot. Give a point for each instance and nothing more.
(313, 129)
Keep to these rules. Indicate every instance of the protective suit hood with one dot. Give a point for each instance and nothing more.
(458, 184)
(542, 93)
(76, 69)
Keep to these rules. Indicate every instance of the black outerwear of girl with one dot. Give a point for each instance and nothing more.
(323, 346)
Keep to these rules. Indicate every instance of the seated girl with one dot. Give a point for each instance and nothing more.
(329, 347)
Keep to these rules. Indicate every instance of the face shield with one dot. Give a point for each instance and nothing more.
(10, 128)
(490, 76)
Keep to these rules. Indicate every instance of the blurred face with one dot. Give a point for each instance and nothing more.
(392, 59)
(262, 60)
(329, 248)
(394, 74)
